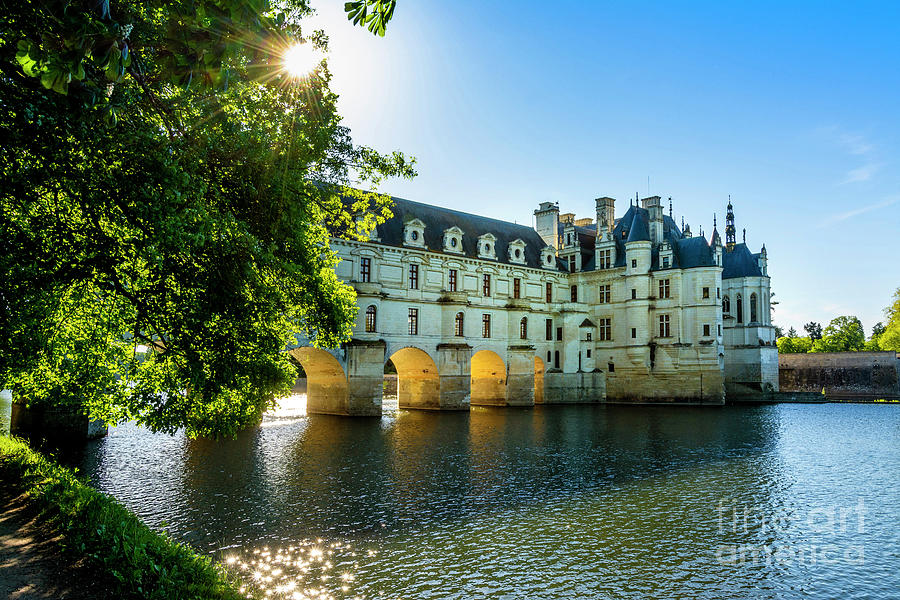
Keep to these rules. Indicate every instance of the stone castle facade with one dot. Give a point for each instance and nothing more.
(478, 311)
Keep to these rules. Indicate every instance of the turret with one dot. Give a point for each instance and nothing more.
(546, 222)
(764, 261)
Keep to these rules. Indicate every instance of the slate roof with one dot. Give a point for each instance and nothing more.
(740, 262)
(437, 219)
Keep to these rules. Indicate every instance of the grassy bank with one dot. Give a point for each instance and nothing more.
(138, 562)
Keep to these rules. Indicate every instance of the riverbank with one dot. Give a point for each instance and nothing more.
(71, 541)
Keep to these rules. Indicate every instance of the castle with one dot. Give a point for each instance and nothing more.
(479, 311)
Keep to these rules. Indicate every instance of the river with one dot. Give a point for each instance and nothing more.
(780, 501)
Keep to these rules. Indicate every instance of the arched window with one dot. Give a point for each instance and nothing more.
(740, 309)
(523, 328)
(726, 305)
(458, 325)
(753, 314)
(370, 319)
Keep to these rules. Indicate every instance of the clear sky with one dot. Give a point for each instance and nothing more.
(792, 108)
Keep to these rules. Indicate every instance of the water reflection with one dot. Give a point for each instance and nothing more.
(554, 502)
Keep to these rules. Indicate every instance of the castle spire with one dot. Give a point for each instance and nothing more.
(730, 232)
(670, 207)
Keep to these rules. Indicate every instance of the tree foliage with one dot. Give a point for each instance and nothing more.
(813, 330)
(793, 345)
(890, 337)
(843, 334)
(167, 196)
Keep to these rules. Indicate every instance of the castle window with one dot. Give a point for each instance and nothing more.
(665, 262)
(605, 261)
(568, 239)
(559, 334)
(740, 309)
(556, 359)
(486, 285)
(753, 314)
(571, 264)
(573, 292)
(718, 293)
(451, 284)
(453, 242)
(706, 330)
(370, 319)
(634, 263)
(588, 352)
(719, 328)
(413, 277)
(365, 269)
(664, 330)
(603, 296)
(549, 292)
(589, 336)
(523, 328)
(726, 305)
(485, 325)
(414, 235)
(633, 294)
(549, 356)
(517, 287)
(664, 288)
(413, 321)
(706, 292)
(549, 326)
(611, 367)
(604, 330)
(633, 333)
(458, 325)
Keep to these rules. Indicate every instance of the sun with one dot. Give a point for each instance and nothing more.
(300, 60)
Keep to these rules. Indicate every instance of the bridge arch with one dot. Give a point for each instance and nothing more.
(326, 381)
(418, 380)
(488, 379)
(539, 369)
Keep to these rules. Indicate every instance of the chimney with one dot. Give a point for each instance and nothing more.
(654, 207)
(606, 214)
(546, 221)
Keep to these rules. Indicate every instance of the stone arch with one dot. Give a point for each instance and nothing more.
(488, 379)
(326, 382)
(418, 380)
(539, 369)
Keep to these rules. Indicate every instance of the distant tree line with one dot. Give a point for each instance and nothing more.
(845, 334)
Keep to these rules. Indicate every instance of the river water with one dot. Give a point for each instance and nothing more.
(782, 501)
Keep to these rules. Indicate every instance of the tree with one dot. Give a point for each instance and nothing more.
(792, 333)
(843, 334)
(794, 345)
(890, 338)
(168, 191)
(813, 330)
(778, 332)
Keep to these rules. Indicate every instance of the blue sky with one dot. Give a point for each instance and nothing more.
(794, 111)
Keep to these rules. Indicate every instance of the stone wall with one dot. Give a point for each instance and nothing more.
(844, 375)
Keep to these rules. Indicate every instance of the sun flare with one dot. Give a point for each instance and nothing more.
(301, 59)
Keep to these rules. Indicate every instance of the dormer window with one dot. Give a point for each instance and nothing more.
(414, 233)
(517, 252)
(486, 246)
(453, 240)
(548, 258)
